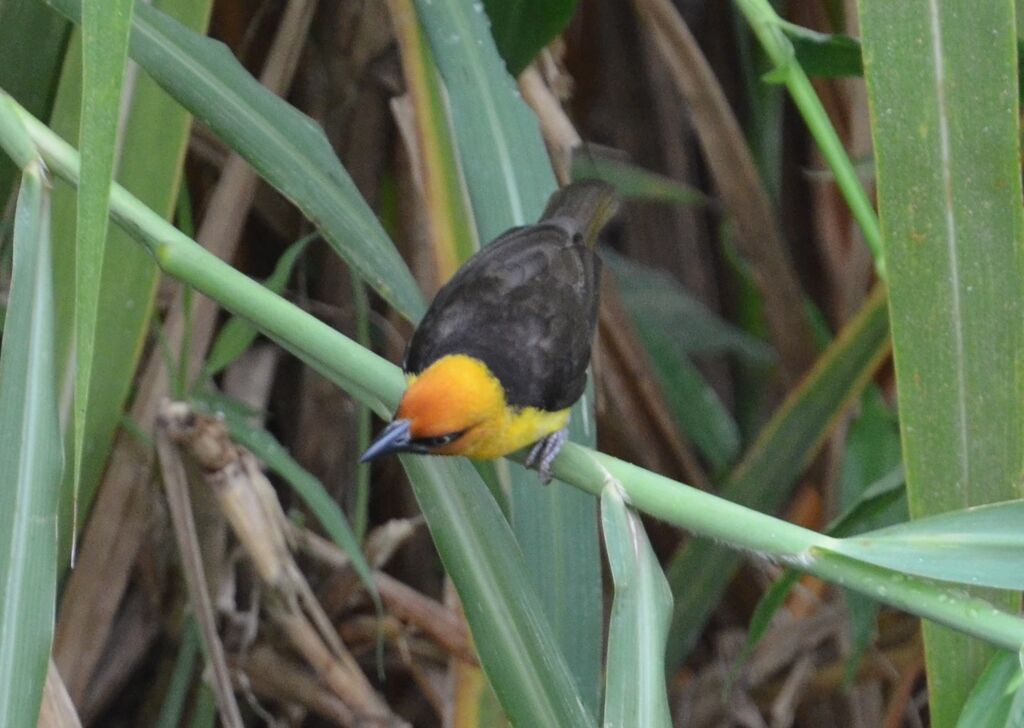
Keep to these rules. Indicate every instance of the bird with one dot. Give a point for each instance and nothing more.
(502, 353)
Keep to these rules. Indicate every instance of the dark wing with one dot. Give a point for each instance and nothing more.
(526, 305)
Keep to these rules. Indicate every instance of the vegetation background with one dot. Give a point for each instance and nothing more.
(765, 336)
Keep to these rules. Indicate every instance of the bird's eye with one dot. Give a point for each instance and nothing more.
(439, 440)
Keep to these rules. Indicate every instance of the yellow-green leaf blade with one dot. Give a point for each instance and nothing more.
(641, 611)
(105, 25)
(981, 546)
(30, 450)
(942, 83)
(152, 150)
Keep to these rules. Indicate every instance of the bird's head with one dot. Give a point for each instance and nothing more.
(448, 408)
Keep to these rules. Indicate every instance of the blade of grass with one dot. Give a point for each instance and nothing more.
(655, 296)
(995, 700)
(30, 448)
(499, 142)
(510, 180)
(152, 153)
(204, 714)
(823, 54)
(641, 611)
(982, 546)
(521, 28)
(181, 678)
(871, 457)
(105, 25)
(451, 224)
(765, 103)
(945, 128)
(523, 663)
(673, 326)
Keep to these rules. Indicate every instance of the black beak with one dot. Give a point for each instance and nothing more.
(394, 438)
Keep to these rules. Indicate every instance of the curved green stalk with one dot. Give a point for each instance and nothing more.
(767, 25)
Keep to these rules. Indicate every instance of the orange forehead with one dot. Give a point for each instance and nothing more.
(451, 395)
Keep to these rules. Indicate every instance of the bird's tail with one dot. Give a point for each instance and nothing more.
(589, 203)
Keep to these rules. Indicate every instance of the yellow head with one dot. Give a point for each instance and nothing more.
(456, 406)
(447, 410)
(458, 399)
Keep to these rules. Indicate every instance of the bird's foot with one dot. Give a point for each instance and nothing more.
(544, 453)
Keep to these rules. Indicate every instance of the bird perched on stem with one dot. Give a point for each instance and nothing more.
(502, 352)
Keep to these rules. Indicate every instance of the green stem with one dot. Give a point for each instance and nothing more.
(379, 384)
(766, 25)
(743, 528)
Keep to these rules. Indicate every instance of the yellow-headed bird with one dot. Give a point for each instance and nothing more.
(502, 353)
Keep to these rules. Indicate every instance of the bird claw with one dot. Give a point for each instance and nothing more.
(544, 452)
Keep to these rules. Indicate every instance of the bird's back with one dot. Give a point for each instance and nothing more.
(526, 305)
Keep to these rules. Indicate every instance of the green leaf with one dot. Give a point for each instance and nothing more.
(995, 701)
(509, 178)
(767, 26)
(879, 501)
(181, 678)
(641, 611)
(770, 603)
(942, 85)
(522, 28)
(674, 327)
(453, 235)
(823, 54)
(517, 648)
(156, 131)
(285, 146)
(983, 545)
(872, 449)
(32, 457)
(238, 334)
(691, 399)
(105, 25)
(499, 142)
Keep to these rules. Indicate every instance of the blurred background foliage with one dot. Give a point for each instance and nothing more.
(732, 270)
